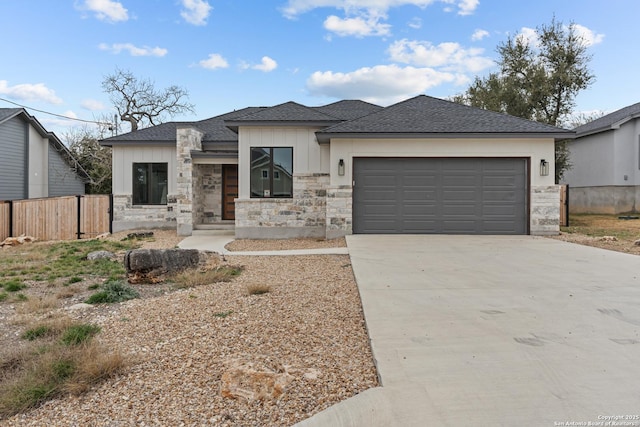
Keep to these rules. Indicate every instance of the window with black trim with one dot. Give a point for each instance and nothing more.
(150, 183)
(272, 172)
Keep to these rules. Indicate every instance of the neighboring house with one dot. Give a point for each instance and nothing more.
(605, 176)
(34, 162)
(423, 165)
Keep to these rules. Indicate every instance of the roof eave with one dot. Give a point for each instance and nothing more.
(325, 137)
(108, 143)
(235, 124)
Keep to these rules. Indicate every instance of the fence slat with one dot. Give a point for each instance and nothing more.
(55, 218)
(564, 211)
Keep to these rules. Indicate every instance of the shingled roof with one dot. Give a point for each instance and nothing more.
(425, 115)
(349, 109)
(610, 121)
(213, 128)
(289, 113)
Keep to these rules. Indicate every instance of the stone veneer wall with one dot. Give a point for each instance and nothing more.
(207, 185)
(272, 218)
(545, 210)
(188, 139)
(126, 216)
(339, 211)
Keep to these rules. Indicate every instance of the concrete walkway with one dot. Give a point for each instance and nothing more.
(493, 330)
(216, 241)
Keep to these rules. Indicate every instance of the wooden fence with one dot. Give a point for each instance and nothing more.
(564, 205)
(56, 218)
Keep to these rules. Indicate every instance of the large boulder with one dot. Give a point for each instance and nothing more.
(151, 263)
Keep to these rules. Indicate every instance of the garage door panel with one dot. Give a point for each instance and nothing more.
(440, 195)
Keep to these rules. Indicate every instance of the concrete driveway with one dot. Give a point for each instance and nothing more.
(493, 330)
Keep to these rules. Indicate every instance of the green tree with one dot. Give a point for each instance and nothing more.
(538, 80)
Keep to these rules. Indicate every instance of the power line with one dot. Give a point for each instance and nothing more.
(57, 115)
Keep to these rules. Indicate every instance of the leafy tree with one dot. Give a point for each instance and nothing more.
(538, 80)
(138, 102)
(94, 158)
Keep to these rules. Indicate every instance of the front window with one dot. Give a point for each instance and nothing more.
(149, 183)
(272, 172)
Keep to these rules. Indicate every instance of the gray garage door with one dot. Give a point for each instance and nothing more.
(440, 195)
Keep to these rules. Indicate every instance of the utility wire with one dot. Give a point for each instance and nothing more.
(56, 115)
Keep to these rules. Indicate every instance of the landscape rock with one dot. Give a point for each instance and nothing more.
(79, 306)
(92, 256)
(144, 264)
(637, 242)
(140, 234)
(14, 241)
(608, 239)
(245, 380)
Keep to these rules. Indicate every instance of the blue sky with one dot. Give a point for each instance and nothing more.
(230, 54)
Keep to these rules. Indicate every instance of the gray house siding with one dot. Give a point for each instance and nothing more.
(13, 155)
(63, 181)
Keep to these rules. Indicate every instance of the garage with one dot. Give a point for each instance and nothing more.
(440, 195)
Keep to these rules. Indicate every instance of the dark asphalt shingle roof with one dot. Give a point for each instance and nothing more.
(287, 112)
(606, 122)
(427, 115)
(7, 113)
(349, 109)
(214, 130)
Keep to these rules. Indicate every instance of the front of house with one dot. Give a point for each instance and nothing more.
(423, 165)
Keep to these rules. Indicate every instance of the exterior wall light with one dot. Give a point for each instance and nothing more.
(544, 167)
(341, 167)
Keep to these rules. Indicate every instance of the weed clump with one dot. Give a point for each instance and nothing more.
(112, 292)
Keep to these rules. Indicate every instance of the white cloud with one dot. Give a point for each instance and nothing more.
(92, 105)
(415, 23)
(29, 92)
(363, 17)
(195, 12)
(448, 56)
(529, 36)
(214, 61)
(266, 65)
(106, 10)
(383, 84)
(359, 26)
(479, 35)
(589, 37)
(133, 50)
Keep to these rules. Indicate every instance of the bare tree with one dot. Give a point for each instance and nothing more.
(94, 158)
(138, 102)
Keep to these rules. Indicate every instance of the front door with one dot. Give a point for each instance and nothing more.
(229, 191)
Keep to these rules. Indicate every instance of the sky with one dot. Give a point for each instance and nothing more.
(231, 54)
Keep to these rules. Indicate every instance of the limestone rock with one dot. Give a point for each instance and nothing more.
(79, 306)
(608, 239)
(14, 241)
(144, 264)
(92, 256)
(246, 380)
(140, 234)
(637, 242)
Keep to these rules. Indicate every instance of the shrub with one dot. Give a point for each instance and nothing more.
(113, 292)
(258, 289)
(77, 334)
(191, 278)
(13, 285)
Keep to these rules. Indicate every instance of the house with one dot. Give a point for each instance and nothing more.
(424, 165)
(605, 176)
(33, 161)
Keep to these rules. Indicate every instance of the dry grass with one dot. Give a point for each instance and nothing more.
(258, 288)
(590, 230)
(191, 278)
(36, 305)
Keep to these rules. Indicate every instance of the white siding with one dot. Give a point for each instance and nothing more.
(125, 157)
(308, 155)
(535, 149)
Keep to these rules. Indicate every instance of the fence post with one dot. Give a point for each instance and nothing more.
(566, 206)
(79, 216)
(111, 213)
(11, 218)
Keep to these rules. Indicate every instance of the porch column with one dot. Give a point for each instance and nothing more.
(188, 139)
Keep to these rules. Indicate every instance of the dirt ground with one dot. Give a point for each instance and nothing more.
(612, 232)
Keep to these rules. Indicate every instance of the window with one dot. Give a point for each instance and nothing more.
(149, 183)
(272, 172)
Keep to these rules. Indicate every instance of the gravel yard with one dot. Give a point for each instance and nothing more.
(277, 245)
(307, 331)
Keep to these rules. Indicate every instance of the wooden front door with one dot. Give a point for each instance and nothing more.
(229, 191)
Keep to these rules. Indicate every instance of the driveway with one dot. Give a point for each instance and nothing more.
(493, 330)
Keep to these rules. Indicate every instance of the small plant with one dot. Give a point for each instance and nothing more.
(74, 279)
(93, 287)
(113, 292)
(37, 332)
(223, 314)
(21, 297)
(13, 285)
(3, 296)
(258, 289)
(77, 334)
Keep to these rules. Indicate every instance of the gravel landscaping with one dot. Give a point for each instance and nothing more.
(278, 245)
(218, 355)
